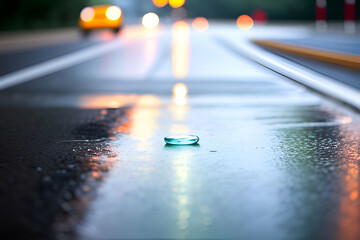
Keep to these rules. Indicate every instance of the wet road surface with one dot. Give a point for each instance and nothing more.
(11, 61)
(83, 154)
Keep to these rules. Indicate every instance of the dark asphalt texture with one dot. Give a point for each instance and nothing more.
(40, 174)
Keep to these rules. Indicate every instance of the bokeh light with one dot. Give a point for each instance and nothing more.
(200, 24)
(176, 3)
(180, 90)
(107, 35)
(259, 16)
(178, 14)
(87, 14)
(245, 22)
(160, 3)
(113, 13)
(150, 20)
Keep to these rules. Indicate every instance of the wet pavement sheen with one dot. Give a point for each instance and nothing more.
(283, 169)
(275, 161)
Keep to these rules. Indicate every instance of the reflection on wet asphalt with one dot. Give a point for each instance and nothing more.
(287, 168)
(83, 149)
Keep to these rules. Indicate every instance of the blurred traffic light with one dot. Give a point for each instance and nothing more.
(200, 24)
(176, 3)
(259, 16)
(245, 22)
(160, 3)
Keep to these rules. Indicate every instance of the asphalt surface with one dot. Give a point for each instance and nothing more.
(83, 154)
(11, 61)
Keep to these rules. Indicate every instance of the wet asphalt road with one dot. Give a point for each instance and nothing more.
(83, 153)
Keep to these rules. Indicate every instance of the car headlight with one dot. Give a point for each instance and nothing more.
(87, 14)
(113, 13)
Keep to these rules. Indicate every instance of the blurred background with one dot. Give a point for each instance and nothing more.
(39, 14)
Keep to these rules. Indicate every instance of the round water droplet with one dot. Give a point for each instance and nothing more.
(182, 139)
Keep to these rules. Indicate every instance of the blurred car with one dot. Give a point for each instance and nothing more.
(100, 16)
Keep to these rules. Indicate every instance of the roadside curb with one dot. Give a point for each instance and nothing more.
(317, 82)
(341, 59)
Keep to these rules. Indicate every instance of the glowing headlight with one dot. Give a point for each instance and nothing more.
(87, 14)
(113, 13)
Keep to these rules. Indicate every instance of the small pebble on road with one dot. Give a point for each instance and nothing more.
(182, 139)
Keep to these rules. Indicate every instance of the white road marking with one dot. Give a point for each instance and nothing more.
(58, 63)
(300, 74)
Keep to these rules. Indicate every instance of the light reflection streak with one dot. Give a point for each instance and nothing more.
(180, 49)
(107, 101)
(179, 129)
(128, 34)
(181, 184)
(180, 101)
(181, 158)
(178, 112)
(143, 118)
(137, 59)
(107, 36)
(151, 48)
(180, 91)
(179, 108)
(131, 34)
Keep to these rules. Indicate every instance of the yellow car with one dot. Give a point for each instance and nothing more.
(101, 16)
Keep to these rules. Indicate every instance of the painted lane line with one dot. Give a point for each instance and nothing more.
(315, 81)
(59, 63)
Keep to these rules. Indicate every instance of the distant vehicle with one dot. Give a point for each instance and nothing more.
(100, 16)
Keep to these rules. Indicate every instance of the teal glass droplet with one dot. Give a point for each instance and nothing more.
(182, 139)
